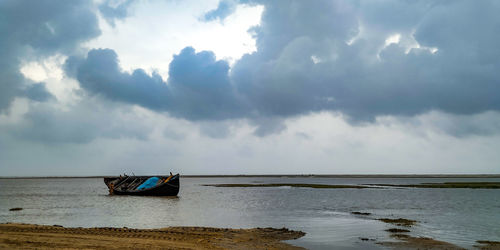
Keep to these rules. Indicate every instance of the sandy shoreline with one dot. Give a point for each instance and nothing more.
(26, 236)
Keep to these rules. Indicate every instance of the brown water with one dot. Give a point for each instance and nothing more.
(459, 216)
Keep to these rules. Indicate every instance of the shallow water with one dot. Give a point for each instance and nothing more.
(459, 216)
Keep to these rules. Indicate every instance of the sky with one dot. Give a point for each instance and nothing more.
(104, 87)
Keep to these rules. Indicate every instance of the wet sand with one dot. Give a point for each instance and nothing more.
(28, 236)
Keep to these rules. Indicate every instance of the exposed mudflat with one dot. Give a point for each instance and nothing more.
(487, 244)
(303, 185)
(472, 185)
(29, 236)
(410, 242)
(399, 222)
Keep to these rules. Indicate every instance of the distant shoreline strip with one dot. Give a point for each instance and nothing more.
(471, 185)
(285, 176)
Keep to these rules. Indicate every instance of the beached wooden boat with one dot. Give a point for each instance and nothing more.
(143, 185)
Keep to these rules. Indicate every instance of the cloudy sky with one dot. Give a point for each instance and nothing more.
(249, 87)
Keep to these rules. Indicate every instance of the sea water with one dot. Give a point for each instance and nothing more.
(458, 216)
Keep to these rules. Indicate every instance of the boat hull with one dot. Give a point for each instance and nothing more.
(170, 188)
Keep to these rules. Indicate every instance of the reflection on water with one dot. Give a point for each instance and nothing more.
(459, 216)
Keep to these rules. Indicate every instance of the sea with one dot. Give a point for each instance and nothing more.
(458, 216)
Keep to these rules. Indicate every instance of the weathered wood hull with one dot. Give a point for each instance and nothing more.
(170, 188)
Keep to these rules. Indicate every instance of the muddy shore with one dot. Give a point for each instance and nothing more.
(28, 236)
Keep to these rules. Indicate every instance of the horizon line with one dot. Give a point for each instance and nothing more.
(282, 175)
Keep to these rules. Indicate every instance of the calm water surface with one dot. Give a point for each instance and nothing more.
(459, 216)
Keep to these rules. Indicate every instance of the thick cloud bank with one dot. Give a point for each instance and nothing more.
(335, 55)
(198, 85)
(364, 59)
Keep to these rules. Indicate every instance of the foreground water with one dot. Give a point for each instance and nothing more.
(458, 216)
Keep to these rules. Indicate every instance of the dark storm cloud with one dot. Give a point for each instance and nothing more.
(268, 125)
(326, 55)
(223, 10)
(461, 77)
(112, 12)
(100, 73)
(32, 29)
(38, 92)
(201, 89)
(198, 85)
(484, 124)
